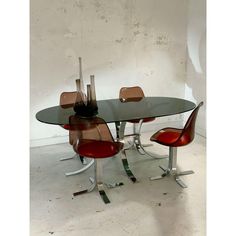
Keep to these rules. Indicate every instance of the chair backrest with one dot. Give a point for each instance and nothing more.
(68, 98)
(93, 128)
(188, 132)
(134, 93)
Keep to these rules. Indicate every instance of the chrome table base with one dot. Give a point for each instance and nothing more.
(120, 129)
(137, 144)
(98, 184)
(126, 167)
(172, 169)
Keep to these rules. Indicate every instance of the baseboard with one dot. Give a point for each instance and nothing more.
(49, 141)
(147, 127)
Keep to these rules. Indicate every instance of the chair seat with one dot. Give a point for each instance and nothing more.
(144, 120)
(66, 126)
(98, 149)
(166, 136)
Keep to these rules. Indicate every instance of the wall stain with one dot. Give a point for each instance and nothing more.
(147, 74)
(97, 4)
(162, 40)
(70, 34)
(119, 40)
(136, 33)
(104, 18)
(62, 9)
(79, 4)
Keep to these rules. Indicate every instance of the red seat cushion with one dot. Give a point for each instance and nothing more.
(166, 136)
(98, 149)
(67, 126)
(144, 120)
(173, 137)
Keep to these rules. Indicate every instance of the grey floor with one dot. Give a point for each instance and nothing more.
(158, 208)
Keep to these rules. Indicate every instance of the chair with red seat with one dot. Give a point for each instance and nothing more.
(135, 94)
(67, 99)
(173, 138)
(95, 141)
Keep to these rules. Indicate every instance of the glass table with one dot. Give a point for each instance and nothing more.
(119, 112)
(114, 110)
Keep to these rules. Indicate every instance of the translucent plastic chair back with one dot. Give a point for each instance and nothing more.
(67, 99)
(188, 132)
(93, 128)
(131, 94)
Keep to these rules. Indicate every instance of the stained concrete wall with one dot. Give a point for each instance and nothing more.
(121, 42)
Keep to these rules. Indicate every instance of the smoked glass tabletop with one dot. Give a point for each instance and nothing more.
(113, 110)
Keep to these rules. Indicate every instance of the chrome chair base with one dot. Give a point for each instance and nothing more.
(83, 161)
(172, 170)
(80, 170)
(98, 184)
(176, 175)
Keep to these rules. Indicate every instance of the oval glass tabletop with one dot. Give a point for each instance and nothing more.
(113, 110)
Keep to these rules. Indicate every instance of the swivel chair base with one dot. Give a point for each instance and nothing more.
(172, 169)
(98, 183)
(83, 161)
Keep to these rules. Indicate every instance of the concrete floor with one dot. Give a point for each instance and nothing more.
(152, 208)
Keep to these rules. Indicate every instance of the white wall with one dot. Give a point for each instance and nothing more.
(121, 42)
(196, 59)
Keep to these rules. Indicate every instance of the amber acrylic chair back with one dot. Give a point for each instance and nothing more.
(67, 98)
(93, 128)
(131, 93)
(188, 132)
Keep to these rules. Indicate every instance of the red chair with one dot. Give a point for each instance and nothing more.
(95, 141)
(132, 94)
(67, 99)
(174, 138)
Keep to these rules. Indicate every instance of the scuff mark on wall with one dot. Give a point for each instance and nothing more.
(70, 34)
(136, 33)
(162, 40)
(97, 4)
(62, 9)
(104, 18)
(119, 40)
(137, 24)
(79, 4)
